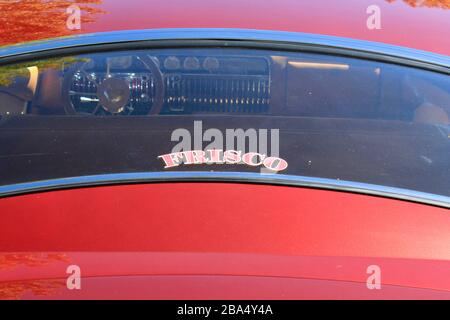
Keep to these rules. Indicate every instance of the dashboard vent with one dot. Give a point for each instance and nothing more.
(217, 93)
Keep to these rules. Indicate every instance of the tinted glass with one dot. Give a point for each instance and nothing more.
(319, 115)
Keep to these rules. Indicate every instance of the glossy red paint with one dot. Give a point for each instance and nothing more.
(417, 24)
(182, 232)
(232, 217)
(223, 240)
(147, 275)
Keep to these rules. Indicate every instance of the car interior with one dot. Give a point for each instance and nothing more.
(221, 81)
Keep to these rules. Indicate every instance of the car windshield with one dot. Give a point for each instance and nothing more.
(225, 110)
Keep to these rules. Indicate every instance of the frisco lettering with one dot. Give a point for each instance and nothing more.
(218, 156)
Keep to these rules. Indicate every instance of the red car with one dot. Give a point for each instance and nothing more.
(225, 150)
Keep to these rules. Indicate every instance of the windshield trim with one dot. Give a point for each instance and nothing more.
(198, 37)
(234, 177)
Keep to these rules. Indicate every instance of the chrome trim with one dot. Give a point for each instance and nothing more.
(236, 37)
(239, 177)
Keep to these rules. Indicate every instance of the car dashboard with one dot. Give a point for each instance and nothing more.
(223, 81)
(194, 82)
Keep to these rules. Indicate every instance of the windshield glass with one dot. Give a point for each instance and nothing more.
(231, 110)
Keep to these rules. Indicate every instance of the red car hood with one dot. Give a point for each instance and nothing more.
(266, 242)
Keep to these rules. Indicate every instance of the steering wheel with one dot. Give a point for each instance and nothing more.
(112, 93)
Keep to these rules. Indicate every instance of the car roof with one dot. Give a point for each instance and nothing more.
(410, 23)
